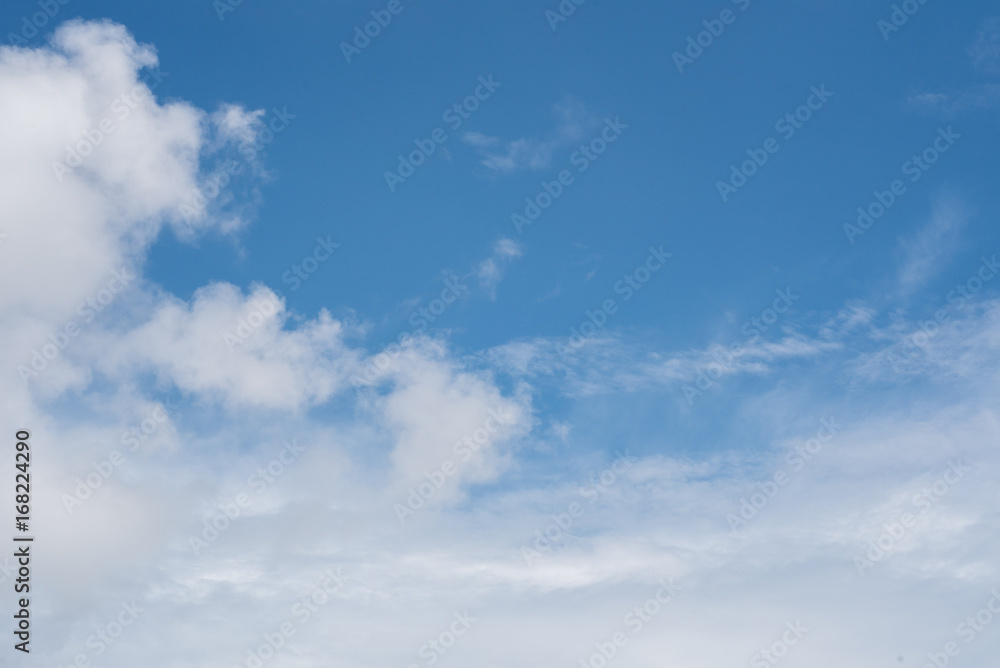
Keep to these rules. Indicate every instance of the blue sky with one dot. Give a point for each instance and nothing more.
(657, 186)
(254, 278)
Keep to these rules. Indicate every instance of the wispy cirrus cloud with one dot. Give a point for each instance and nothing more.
(925, 253)
(985, 49)
(949, 104)
(502, 156)
(611, 363)
(984, 54)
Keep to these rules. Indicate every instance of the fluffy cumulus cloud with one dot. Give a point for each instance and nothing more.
(235, 348)
(214, 490)
(102, 194)
(95, 168)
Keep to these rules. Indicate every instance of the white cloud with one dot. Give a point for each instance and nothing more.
(438, 412)
(479, 140)
(236, 349)
(507, 156)
(491, 270)
(610, 363)
(237, 124)
(108, 208)
(985, 50)
(961, 347)
(331, 506)
(984, 53)
(927, 251)
(92, 225)
(951, 103)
